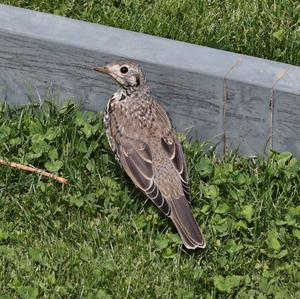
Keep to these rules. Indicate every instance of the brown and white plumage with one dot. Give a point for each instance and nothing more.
(141, 135)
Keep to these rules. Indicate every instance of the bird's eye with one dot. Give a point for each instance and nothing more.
(124, 69)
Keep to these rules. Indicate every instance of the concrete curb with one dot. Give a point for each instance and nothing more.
(230, 99)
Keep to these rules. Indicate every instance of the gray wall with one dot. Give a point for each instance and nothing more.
(230, 99)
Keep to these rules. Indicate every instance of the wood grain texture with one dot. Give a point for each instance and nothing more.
(249, 105)
(286, 129)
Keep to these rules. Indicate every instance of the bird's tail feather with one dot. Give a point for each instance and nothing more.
(186, 224)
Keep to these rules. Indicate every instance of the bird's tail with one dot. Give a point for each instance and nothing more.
(186, 224)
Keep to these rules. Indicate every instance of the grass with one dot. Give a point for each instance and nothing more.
(263, 28)
(98, 237)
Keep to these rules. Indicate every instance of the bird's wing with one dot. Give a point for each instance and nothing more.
(173, 148)
(136, 159)
(180, 211)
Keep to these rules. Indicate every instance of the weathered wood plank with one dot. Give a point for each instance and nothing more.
(249, 104)
(286, 129)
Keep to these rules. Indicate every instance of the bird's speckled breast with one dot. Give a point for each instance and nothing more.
(134, 112)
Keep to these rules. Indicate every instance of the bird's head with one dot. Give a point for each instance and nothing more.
(127, 73)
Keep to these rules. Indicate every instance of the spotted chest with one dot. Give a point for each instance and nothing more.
(118, 96)
(134, 110)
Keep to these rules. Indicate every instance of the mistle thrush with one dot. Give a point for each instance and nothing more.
(141, 136)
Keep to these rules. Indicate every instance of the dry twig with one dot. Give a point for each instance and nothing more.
(35, 170)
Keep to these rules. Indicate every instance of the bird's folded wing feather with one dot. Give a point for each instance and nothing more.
(137, 162)
(175, 153)
(172, 147)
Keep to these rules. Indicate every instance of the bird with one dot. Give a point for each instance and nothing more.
(145, 143)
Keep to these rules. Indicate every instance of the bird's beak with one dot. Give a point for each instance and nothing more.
(101, 69)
